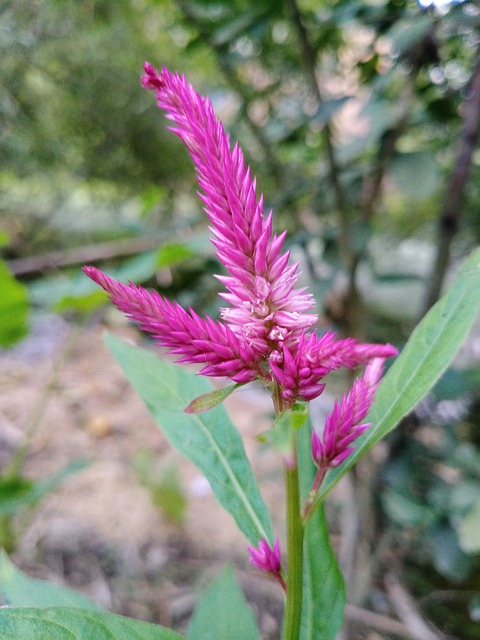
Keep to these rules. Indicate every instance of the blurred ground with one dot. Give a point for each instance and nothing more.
(99, 532)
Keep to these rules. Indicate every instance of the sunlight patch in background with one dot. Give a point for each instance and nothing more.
(438, 3)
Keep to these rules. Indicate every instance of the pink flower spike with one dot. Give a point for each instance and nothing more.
(194, 339)
(345, 424)
(299, 371)
(267, 559)
(242, 234)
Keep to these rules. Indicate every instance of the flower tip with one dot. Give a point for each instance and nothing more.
(100, 278)
(390, 351)
(151, 79)
(88, 270)
(265, 557)
(92, 273)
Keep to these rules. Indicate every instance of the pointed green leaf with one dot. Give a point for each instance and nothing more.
(18, 590)
(426, 356)
(210, 441)
(68, 623)
(223, 612)
(323, 586)
(207, 401)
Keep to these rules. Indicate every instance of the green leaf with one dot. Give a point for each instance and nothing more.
(323, 586)
(427, 354)
(150, 198)
(210, 441)
(474, 608)
(236, 26)
(68, 623)
(137, 269)
(467, 457)
(81, 304)
(469, 531)
(328, 108)
(14, 493)
(4, 238)
(165, 485)
(406, 34)
(14, 308)
(19, 492)
(404, 511)
(171, 254)
(18, 590)
(447, 556)
(415, 174)
(298, 415)
(223, 612)
(207, 401)
(281, 435)
(76, 291)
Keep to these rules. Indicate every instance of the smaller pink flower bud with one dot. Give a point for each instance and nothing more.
(268, 559)
(345, 423)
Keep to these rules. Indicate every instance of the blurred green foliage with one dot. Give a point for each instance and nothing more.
(19, 495)
(14, 308)
(164, 485)
(70, 91)
(17, 589)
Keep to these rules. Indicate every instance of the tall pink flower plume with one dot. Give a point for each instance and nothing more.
(266, 310)
(266, 330)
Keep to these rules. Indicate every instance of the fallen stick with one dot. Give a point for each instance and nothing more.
(81, 255)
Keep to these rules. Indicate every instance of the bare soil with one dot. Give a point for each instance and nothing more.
(63, 396)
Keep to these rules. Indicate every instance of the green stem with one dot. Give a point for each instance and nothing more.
(293, 606)
(310, 501)
(8, 539)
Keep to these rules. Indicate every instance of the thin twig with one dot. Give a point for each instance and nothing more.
(380, 622)
(407, 611)
(274, 166)
(309, 63)
(362, 549)
(372, 183)
(454, 196)
(350, 528)
(80, 255)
